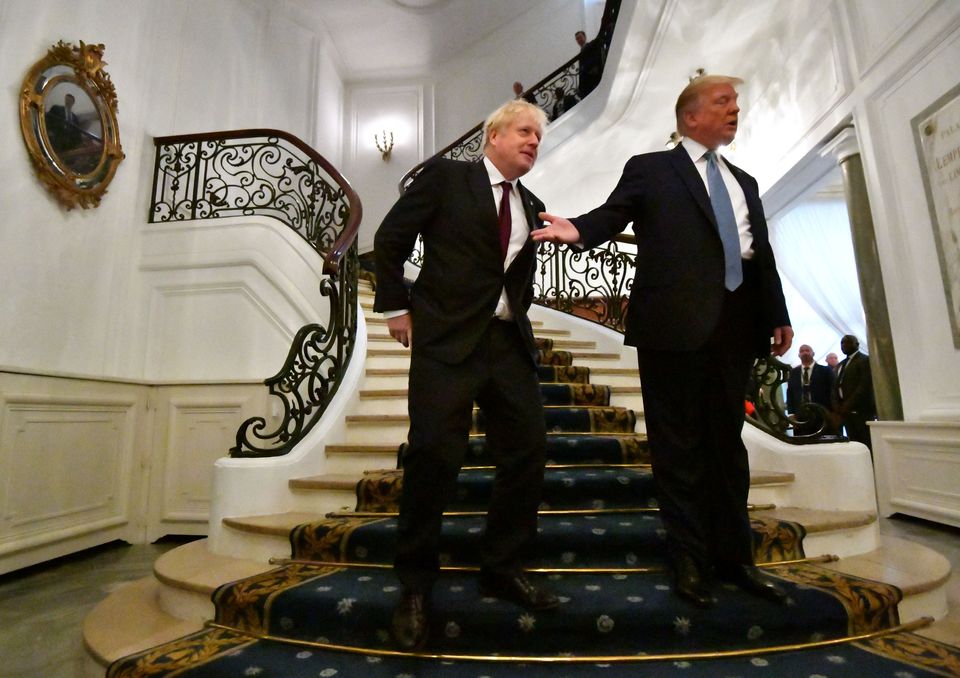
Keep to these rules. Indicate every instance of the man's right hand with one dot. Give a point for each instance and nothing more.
(558, 230)
(401, 329)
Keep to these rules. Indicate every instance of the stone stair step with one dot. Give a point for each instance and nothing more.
(558, 341)
(377, 319)
(353, 459)
(841, 533)
(130, 620)
(330, 491)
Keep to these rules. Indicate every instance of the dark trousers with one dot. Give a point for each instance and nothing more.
(694, 410)
(857, 428)
(500, 376)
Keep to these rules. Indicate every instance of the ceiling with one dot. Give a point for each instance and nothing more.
(378, 38)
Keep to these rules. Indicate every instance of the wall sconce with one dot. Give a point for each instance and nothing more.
(699, 73)
(383, 144)
(674, 139)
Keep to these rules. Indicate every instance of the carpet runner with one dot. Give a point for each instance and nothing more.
(600, 547)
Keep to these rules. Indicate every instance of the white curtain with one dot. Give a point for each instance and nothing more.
(815, 257)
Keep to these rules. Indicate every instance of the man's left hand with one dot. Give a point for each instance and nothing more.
(782, 339)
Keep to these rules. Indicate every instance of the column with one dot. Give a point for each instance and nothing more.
(883, 359)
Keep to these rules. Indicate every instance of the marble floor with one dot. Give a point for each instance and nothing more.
(42, 608)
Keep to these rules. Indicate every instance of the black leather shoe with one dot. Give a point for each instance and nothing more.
(749, 579)
(411, 621)
(518, 589)
(689, 583)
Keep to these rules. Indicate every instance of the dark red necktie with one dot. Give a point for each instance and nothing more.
(506, 225)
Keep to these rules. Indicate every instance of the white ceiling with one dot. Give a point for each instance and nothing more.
(378, 38)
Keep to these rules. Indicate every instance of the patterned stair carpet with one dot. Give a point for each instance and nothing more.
(600, 547)
(586, 540)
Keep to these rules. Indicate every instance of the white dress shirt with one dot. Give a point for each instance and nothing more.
(697, 152)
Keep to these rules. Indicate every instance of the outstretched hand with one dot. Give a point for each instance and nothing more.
(557, 229)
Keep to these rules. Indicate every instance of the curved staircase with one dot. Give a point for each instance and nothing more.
(177, 600)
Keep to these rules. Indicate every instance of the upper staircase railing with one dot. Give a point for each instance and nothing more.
(271, 173)
(559, 86)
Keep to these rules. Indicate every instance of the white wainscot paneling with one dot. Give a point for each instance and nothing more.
(66, 466)
(918, 469)
(877, 25)
(200, 432)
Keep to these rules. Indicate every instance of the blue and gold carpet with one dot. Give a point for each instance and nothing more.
(600, 547)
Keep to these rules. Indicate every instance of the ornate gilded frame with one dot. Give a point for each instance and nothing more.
(68, 116)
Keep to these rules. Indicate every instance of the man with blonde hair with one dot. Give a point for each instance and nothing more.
(706, 301)
(465, 319)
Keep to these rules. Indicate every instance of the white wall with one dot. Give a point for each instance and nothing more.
(482, 77)
(179, 66)
(448, 102)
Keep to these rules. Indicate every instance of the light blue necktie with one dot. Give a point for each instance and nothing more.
(726, 223)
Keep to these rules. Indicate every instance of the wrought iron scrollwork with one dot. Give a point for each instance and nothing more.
(225, 176)
(313, 370)
(594, 284)
(765, 394)
(272, 173)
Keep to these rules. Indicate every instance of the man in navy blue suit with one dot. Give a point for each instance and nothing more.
(809, 383)
(466, 320)
(706, 302)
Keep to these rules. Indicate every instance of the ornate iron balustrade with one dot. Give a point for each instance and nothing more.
(765, 393)
(594, 284)
(271, 173)
(558, 86)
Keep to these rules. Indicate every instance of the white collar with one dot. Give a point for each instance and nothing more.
(494, 174)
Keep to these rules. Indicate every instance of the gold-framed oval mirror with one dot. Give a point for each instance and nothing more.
(68, 116)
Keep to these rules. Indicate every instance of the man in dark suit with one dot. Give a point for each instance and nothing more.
(809, 383)
(466, 320)
(590, 63)
(854, 391)
(705, 302)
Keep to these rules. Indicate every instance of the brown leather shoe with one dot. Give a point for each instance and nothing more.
(748, 578)
(411, 621)
(518, 589)
(689, 583)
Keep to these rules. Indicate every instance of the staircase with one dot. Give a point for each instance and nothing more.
(177, 599)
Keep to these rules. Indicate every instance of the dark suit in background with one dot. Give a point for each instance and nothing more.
(818, 391)
(696, 340)
(854, 391)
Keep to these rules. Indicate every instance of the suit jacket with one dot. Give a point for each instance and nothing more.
(450, 204)
(855, 380)
(678, 290)
(821, 387)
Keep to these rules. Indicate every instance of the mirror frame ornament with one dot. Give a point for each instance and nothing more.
(81, 67)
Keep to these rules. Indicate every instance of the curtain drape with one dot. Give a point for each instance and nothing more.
(815, 257)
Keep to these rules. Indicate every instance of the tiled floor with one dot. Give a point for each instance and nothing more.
(42, 608)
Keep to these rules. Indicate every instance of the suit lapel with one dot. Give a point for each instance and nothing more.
(693, 181)
(479, 182)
